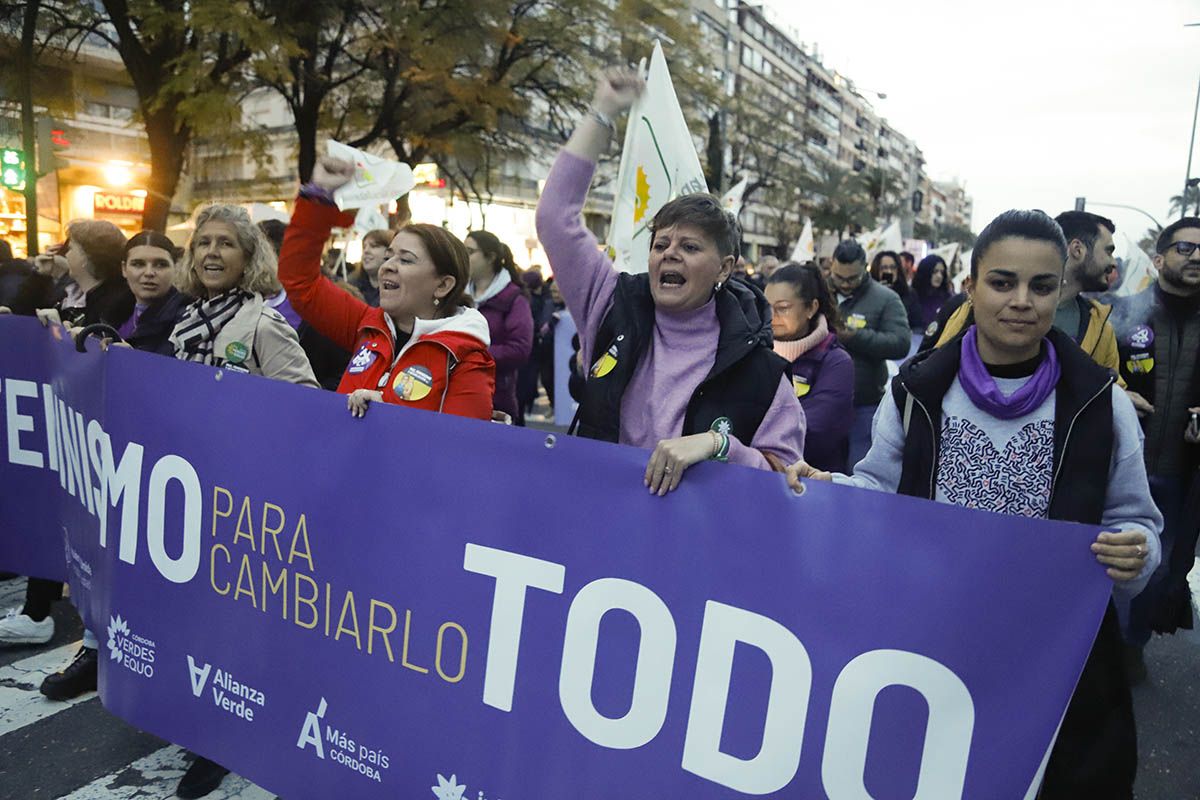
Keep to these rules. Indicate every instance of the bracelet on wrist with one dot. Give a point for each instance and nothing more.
(319, 194)
(603, 119)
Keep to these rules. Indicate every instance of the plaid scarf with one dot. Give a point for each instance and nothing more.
(196, 331)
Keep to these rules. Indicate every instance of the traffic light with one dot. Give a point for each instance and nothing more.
(51, 139)
(918, 200)
(12, 169)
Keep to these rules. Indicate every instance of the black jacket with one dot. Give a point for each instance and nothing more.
(1095, 756)
(109, 302)
(153, 330)
(880, 325)
(1160, 360)
(738, 390)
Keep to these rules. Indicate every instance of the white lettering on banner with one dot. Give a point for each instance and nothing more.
(778, 757)
(951, 718)
(85, 479)
(79, 448)
(51, 432)
(514, 573)
(343, 750)
(66, 435)
(19, 423)
(947, 734)
(652, 675)
(167, 469)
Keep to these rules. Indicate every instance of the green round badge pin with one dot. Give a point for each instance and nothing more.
(236, 352)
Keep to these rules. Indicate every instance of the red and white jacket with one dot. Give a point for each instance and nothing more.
(444, 366)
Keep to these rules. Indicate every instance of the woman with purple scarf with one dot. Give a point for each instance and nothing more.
(680, 355)
(1013, 417)
(805, 321)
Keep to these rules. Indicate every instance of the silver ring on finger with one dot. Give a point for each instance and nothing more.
(667, 470)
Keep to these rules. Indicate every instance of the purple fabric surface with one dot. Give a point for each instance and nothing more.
(986, 395)
(510, 323)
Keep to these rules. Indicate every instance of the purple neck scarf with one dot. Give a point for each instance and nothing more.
(981, 387)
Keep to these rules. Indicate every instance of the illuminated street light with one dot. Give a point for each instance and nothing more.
(118, 174)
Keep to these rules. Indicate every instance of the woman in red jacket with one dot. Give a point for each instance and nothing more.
(424, 346)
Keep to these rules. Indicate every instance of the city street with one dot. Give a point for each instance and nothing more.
(78, 751)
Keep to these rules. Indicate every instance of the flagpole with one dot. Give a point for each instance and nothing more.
(1191, 145)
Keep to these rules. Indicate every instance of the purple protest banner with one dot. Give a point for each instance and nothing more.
(410, 604)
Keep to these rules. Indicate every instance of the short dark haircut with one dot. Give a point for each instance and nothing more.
(5, 251)
(1084, 226)
(1034, 224)
(1168, 235)
(808, 284)
(706, 213)
(905, 254)
(849, 251)
(153, 239)
(274, 230)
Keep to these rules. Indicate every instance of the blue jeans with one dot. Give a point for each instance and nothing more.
(860, 434)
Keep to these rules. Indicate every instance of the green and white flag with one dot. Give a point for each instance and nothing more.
(658, 164)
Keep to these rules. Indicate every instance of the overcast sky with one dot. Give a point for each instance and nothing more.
(1030, 102)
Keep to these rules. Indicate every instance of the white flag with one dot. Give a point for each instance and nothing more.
(946, 251)
(733, 198)
(887, 238)
(376, 180)
(1137, 270)
(658, 164)
(369, 218)
(805, 250)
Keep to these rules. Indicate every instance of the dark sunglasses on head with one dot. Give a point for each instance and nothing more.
(1184, 249)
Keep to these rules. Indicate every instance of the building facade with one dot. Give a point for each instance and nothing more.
(88, 108)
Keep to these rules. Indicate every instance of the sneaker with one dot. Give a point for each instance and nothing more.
(1135, 665)
(78, 678)
(17, 628)
(202, 777)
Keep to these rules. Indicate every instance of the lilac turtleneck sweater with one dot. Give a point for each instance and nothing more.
(681, 352)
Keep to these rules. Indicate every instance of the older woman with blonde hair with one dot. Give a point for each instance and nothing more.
(229, 266)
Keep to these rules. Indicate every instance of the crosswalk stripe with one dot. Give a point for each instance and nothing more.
(21, 703)
(156, 775)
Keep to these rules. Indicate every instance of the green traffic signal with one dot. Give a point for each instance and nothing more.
(12, 169)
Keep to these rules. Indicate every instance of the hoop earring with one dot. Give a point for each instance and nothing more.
(718, 287)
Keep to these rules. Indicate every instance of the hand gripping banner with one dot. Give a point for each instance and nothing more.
(413, 605)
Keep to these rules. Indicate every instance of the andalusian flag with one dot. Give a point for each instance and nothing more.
(658, 164)
(733, 198)
(885, 238)
(804, 250)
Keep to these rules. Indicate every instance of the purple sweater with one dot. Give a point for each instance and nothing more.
(682, 349)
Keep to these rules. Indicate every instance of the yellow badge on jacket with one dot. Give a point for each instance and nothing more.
(801, 385)
(856, 322)
(605, 363)
(1140, 363)
(413, 384)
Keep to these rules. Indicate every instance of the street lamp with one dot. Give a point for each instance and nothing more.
(1191, 143)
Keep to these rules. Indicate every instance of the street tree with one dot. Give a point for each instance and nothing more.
(767, 146)
(837, 201)
(190, 63)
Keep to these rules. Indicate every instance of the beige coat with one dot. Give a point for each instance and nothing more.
(274, 349)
